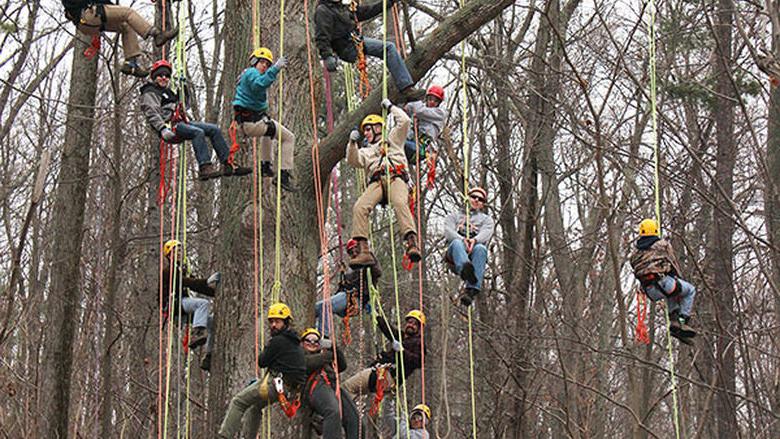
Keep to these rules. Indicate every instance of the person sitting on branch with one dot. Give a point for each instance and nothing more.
(419, 418)
(467, 240)
(429, 118)
(94, 16)
(658, 271)
(378, 158)
(284, 358)
(352, 288)
(320, 389)
(250, 108)
(337, 36)
(176, 283)
(385, 367)
(161, 107)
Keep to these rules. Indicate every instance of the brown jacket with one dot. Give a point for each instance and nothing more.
(373, 157)
(654, 256)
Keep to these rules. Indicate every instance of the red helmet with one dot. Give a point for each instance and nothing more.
(161, 64)
(352, 243)
(437, 91)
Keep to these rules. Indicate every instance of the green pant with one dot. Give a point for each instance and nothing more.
(245, 411)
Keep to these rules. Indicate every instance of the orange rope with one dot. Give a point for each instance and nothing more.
(419, 266)
(642, 334)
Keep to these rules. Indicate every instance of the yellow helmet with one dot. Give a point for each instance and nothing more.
(309, 331)
(649, 227)
(417, 315)
(371, 119)
(169, 245)
(279, 311)
(261, 53)
(422, 408)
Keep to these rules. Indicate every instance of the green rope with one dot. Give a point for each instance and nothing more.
(657, 184)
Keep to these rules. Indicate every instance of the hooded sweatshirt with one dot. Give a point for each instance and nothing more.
(654, 255)
(158, 105)
(283, 354)
(334, 24)
(481, 225)
(251, 92)
(430, 120)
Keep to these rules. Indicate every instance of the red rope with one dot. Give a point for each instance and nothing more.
(94, 47)
(381, 383)
(234, 146)
(642, 335)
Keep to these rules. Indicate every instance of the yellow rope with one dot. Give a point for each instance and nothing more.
(277, 286)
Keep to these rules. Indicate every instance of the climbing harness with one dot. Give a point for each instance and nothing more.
(289, 408)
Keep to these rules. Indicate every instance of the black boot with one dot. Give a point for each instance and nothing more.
(468, 296)
(467, 273)
(685, 330)
(132, 68)
(287, 183)
(198, 337)
(208, 171)
(234, 170)
(266, 170)
(205, 362)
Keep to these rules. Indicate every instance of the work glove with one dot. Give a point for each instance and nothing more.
(331, 63)
(397, 346)
(326, 343)
(214, 280)
(167, 134)
(281, 62)
(354, 136)
(386, 104)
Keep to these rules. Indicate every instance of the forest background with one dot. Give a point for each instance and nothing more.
(557, 105)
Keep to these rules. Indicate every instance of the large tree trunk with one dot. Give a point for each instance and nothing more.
(721, 257)
(67, 231)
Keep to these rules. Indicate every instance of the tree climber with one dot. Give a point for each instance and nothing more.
(375, 158)
(161, 107)
(419, 418)
(250, 108)
(657, 269)
(429, 118)
(353, 287)
(198, 308)
(320, 389)
(94, 16)
(467, 248)
(409, 341)
(335, 24)
(284, 358)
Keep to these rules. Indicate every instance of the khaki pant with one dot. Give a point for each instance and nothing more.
(244, 412)
(119, 19)
(358, 384)
(398, 196)
(258, 129)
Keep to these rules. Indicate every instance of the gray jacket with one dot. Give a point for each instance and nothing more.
(413, 434)
(481, 225)
(158, 105)
(430, 120)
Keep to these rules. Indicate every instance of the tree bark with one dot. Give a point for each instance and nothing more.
(67, 232)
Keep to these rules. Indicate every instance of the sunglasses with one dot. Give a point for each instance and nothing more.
(478, 198)
(311, 340)
(162, 75)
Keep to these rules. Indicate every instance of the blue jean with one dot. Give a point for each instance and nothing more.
(197, 132)
(338, 302)
(681, 302)
(374, 47)
(478, 257)
(200, 310)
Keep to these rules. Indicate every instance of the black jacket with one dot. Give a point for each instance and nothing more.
(355, 283)
(284, 355)
(73, 8)
(334, 24)
(412, 349)
(188, 283)
(324, 360)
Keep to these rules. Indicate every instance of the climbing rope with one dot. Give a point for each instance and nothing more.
(657, 188)
(277, 285)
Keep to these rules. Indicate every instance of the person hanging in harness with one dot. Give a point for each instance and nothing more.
(352, 290)
(385, 368)
(320, 389)
(379, 158)
(429, 118)
(419, 419)
(467, 248)
(250, 108)
(658, 271)
(176, 282)
(92, 17)
(337, 37)
(167, 117)
(284, 358)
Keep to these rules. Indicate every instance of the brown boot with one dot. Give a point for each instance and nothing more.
(411, 247)
(163, 36)
(208, 171)
(364, 257)
(198, 337)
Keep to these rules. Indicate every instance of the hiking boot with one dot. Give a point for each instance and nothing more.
(266, 170)
(163, 36)
(685, 330)
(411, 94)
(467, 273)
(287, 183)
(684, 340)
(208, 171)
(411, 247)
(468, 296)
(198, 337)
(364, 257)
(132, 68)
(205, 362)
(234, 170)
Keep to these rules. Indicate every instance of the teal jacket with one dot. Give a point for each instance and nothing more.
(252, 86)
